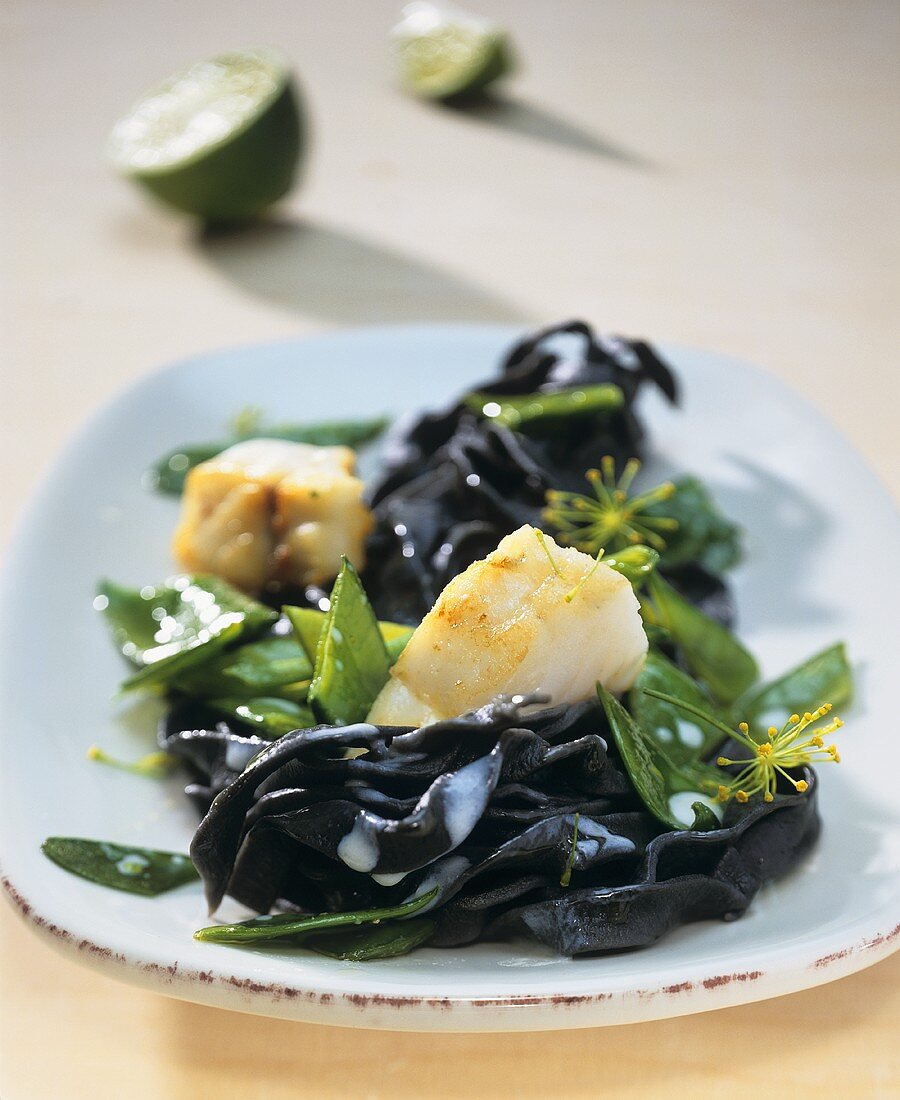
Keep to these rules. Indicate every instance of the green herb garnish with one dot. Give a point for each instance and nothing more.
(635, 563)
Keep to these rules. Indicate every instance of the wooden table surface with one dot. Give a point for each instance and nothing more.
(714, 174)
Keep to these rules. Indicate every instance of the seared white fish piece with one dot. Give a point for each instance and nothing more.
(269, 509)
(504, 626)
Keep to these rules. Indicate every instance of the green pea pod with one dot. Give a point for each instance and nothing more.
(375, 941)
(539, 410)
(656, 777)
(683, 738)
(170, 628)
(269, 716)
(144, 871)
(308, 623)
(824, 678)
(712, 652)
(168, 474)
(266, 666)
(634, 562)
(352, 663)
(290, 925)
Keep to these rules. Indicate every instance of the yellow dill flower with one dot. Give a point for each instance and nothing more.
(798, 742)
(610, 519)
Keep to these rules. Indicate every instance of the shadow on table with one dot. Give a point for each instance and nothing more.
(528, 120)
(327, 273)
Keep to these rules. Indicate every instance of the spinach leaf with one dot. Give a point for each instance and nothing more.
(634, 562)
(168, 628)
(712, 652)
(703, 536)
(377, 941)
(268, 715)
(168, 474)
(284, 925)
(532, 410)
(352, 663)
(684, 740)
(656, 777)
(826, 677)
(143, 871)
(268, 666)
(308, 624)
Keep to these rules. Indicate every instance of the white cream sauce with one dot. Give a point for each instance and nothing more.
(464, 795)
(358, 849)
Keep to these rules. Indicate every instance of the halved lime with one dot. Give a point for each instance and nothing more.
(221, 139)
(442, 53)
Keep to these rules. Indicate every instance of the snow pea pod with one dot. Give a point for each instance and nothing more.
(683, 738)
(377, 941)
(145, 871)
(827, 675)
(656, 777)
(288, 925)
(710, 651)
(168, 474)
(352, 663)
(532, 410)
(168, 628)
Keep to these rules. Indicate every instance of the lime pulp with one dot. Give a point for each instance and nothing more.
(221, 139)
(442, 53)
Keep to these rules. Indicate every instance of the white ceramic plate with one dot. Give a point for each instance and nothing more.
(822, 538)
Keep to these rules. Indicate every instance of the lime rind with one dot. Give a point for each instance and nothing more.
(442, 53)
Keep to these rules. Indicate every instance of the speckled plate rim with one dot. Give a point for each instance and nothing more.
(362, 997)
(546, 1011)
